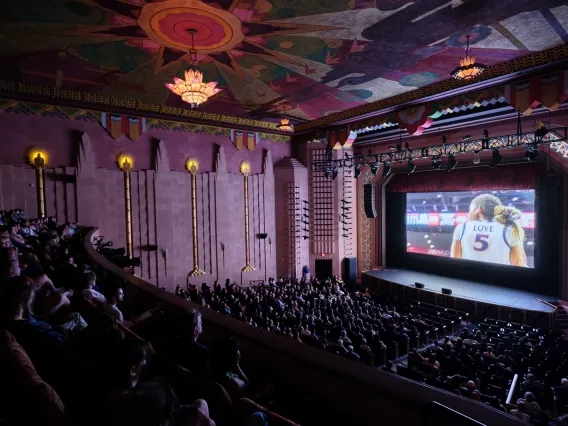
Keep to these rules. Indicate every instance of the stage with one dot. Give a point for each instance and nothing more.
(478, 299)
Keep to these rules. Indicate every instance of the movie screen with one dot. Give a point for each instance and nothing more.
(483, 226)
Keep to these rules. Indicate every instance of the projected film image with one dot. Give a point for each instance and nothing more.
(484, 226)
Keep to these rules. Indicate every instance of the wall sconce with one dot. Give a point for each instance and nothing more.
(192, 166)
(126, 164)
(164, 251)
(245, 170)
(270, 246)
(38, 159)
(223, 251)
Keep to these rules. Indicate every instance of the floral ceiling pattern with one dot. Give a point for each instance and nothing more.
(304, 59)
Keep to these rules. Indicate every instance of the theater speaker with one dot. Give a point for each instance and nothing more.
(418, 285)
(350, 269)
(369, 195)
(446, 291)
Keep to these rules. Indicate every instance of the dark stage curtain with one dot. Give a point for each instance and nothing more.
(518, 176)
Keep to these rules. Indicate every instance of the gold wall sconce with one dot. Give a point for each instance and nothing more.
(192, 166)
(38, 159)
(126, 164)
(245, 171)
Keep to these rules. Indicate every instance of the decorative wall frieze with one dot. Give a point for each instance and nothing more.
(132, 126)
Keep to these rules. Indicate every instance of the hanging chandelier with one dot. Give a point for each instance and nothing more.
(468, 69)
(285, 125)
(193, 90)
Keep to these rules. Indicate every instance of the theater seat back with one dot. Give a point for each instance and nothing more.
(25, 397)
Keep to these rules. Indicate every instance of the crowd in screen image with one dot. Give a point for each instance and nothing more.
(71, 352)
(488, 226)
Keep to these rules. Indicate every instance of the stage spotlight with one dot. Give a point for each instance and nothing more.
(485, 140)
(334, 173)
(357, 169)
(436, 163)
(496, 159)
(407, 146)
(531, 154)
(374, 168)
(411, 167)
(444, 140)
(327, 173)
(386, 169)
(452, 163)
(476, 159)
(466, 138)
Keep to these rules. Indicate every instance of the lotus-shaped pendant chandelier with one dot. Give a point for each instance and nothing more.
(193, 90)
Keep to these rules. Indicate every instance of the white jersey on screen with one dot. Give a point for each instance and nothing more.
(485, 241)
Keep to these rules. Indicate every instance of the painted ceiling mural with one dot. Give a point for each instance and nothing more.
(300, 58)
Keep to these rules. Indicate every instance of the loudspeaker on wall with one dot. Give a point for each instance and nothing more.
(350, 269)
(446, 291)
(419, 285)
(369, 198)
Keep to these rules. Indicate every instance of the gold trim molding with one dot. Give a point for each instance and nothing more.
(522, 63)
(102, 102)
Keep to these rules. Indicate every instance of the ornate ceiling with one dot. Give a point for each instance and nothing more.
(299, 58)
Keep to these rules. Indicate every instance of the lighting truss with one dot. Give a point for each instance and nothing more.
(557, 139)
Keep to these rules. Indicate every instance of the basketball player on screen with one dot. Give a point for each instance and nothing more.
(492, 233)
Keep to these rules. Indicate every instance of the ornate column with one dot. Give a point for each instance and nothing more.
(192, 165)
(126, 163)
(38, 159)
(245, 170)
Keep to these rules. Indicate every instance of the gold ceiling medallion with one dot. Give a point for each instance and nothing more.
(193, 90)
(468, 69)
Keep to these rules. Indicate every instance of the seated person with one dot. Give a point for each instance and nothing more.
(520, 412)
(48, 299)
(193, 355)
(53, 303)
(5, 237)
(127, 400)
(114, 297)
(45, 346)
(88, 282)
(226, 369)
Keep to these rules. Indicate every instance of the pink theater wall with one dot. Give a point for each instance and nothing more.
(161, 199)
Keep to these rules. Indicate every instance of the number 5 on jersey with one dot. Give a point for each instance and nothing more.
(481, 242)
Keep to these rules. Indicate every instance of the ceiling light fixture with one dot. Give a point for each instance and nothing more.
(357, 171)
(193, 90)
(285, 125)
(468, 69)
(374, 168)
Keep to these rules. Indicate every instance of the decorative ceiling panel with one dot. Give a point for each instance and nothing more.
(304, 59)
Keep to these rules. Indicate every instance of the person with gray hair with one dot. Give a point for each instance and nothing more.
(520, 412)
